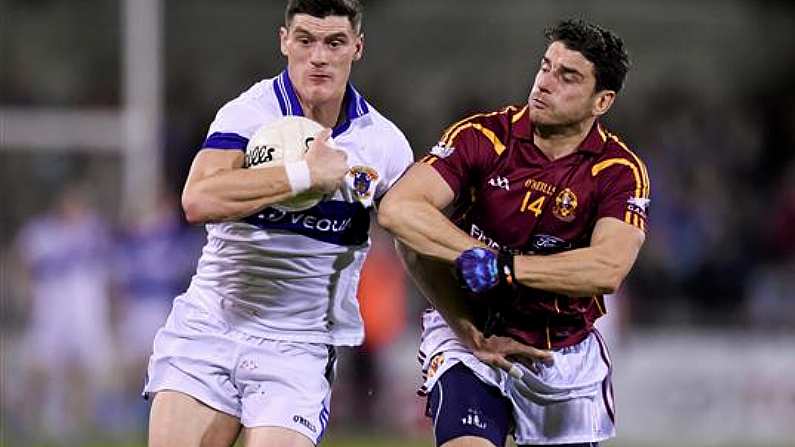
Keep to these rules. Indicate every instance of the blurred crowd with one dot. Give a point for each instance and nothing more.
(88, 295)
(84, 290)
(721, 249)
(87, 299)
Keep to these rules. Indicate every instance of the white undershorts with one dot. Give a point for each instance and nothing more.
(262, 382)
(566, 403)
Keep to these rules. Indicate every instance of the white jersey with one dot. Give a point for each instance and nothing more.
(294, 275)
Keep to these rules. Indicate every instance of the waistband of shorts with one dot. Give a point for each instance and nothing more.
(226, 310)
(550, 337)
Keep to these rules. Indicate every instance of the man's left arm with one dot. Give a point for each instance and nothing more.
(594, 270)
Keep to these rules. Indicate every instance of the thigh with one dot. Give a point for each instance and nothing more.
(569, 402)
(467, 411)
(286, 385)
(177, 419)
(192, 354)
(272, 436)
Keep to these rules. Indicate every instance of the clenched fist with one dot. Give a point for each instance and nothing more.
(327, 164)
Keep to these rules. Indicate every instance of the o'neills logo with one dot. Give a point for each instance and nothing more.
(565, 205)
(303, 421)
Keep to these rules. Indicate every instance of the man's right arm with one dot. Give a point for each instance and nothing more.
(219, 189)
(436, 281)
(428, 243)
(411, 211)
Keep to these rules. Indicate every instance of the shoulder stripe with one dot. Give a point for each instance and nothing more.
(450, 130)
(499, 147)
(643, 170)
(599, 167)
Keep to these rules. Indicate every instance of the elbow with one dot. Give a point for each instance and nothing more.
(607, 287)
(611, 282)
(192, 207)
(610, 278)
(389, 214)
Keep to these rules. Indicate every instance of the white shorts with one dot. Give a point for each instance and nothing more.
(566, 403)
(260, 381)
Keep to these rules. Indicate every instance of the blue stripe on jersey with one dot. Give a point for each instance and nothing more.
(332, 221)
(290, 105)
(280, 96)
(220, 140)
(285, 93)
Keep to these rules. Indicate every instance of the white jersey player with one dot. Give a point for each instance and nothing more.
(250, 345)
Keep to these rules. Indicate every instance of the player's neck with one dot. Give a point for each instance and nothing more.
(326, 113)
(559, 141)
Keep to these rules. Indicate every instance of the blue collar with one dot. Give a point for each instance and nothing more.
(355, 105)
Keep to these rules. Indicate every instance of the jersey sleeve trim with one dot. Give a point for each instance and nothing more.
(641, 186)
(223, 140)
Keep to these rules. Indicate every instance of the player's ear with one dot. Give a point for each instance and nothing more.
(283, 32)
(602, 102)
(359, 45)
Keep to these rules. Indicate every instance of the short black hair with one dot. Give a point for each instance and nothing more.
(602, 47)
(352, 9)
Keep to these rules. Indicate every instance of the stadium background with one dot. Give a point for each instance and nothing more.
(115, 96)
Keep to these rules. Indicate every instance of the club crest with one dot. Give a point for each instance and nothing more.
(364, 181)
(436, 362)
(565, 205)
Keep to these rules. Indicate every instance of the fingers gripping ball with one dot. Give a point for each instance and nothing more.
(284, 142)
(481, 269)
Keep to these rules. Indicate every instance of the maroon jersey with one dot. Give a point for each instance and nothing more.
(510, 196)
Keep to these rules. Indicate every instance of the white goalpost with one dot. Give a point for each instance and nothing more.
(134, 130)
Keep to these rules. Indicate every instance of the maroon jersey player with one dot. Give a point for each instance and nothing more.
(548, 215)
(512, 197)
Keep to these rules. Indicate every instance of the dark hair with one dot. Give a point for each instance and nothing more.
(352, 9)
(603, 48)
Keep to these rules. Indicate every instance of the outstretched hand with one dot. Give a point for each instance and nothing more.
(502, 352)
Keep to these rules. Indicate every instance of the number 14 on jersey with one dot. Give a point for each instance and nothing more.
(536, 206)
